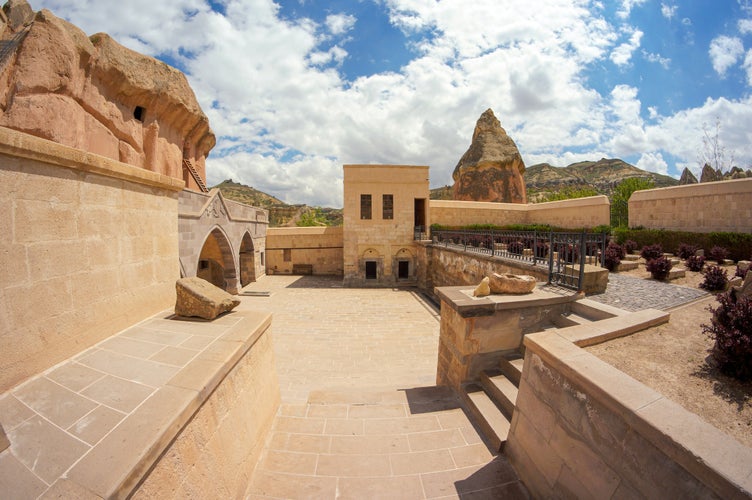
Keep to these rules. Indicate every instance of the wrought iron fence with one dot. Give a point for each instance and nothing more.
(565, 254)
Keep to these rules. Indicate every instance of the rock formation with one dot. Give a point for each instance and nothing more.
(93, 94)
(491, 169)
(511, 283)
(199, 298)
(687, 177)
(709, 174)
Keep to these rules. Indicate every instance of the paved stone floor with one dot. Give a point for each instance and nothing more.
(360, 416)
(635, 294)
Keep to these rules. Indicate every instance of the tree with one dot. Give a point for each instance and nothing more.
(713, 151)
(568, 193)
(620, 198)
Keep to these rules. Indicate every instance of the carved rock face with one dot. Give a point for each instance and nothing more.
(491, 169)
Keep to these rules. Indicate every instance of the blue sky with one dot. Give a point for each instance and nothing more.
(294, 89)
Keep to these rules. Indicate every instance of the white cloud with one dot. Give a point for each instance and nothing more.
(622, 54)
(724, 52)
(627, 6)
(657, 58)
(668, 11)
(747, 65)
(745, 26)
(653, 162)
(340, 23)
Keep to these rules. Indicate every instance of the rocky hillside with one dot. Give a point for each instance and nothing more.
(602, 175)
(280, 213)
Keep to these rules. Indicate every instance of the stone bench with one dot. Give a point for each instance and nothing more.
(146, 413)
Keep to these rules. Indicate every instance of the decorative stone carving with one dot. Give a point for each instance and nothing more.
(483, 289)
(491, 169)
(511, 283)
(199, 298)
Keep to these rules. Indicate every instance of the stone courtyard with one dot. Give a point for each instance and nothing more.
(360, 416)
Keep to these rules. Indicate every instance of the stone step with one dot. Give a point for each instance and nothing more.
(632, 257)
(627, 265)
(501, 390)
(487, 416)
(512, 368)
(676, 273)
(571, 319)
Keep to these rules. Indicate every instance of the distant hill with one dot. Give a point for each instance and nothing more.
(602, 175)
(280, 213)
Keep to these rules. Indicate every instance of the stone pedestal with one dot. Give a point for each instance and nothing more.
(595, 279)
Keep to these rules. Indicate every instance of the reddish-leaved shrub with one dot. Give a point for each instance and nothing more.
(651, 252)
(731, 329)
(614, 254)
(659, 267)
(630, 246)
(695, 263)
(685, 250)
(716, 279)
(719, 254)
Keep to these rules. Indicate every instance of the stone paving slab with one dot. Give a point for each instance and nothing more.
(635, 294)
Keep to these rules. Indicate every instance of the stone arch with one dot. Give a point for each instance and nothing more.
(247, 260)
(216, 263)
(403, 264)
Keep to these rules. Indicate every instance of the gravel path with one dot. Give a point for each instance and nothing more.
(634, 294)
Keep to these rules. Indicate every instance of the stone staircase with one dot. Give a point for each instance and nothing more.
(491, 400)
(188, 165)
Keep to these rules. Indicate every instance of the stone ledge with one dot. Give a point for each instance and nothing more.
(714, 458)
(22, 145)
(460, 298)
(114, 465)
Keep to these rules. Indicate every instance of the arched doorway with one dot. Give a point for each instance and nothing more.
(247, 261)
(215, 262)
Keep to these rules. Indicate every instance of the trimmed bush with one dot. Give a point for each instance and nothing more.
(731, 330)
(516, 247)
(686, 250)
(651, 252)
(613, 256)
(695, 263)
(738, 244)
(659, 267)
(716, 279)
(719, 254)
(541, 249)
(630, 246)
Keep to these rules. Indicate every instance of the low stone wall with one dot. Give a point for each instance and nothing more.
(318, 247)
(702, 208)
(571, 214)
(89, 246)
(583, 429)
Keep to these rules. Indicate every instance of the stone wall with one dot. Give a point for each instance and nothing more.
(583, 429)
(569, 214)
(216, 452)
(318, 247)
(701, 208)
(89, 247)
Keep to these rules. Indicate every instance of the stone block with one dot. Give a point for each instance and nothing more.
(627, 266)
(199, 298)
(595, 279)
(676, 273)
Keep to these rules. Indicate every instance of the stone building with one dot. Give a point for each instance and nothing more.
(384, 207)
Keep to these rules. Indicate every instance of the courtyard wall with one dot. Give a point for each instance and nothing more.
(570, 214)
(89, 247)
(289, 248)
(702, 208)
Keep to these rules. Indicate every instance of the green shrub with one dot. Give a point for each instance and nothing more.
(739, 245)
(731, 330)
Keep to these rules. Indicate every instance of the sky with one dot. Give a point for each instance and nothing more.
(294, 89)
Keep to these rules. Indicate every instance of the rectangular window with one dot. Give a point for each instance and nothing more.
(287, 254)
(403, 269)
(262, 259)
(365, 206)
(388, 206)
(371, 270)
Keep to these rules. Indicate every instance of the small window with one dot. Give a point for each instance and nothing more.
(388, 206)
(287, 254)
(139, 113)
(365, 206)
(262, 259)
(371, 270)
(203, 264)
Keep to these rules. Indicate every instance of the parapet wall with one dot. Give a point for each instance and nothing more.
(571, 214)
(583, 429)
(702, 208)
(318, 247)
(89, 247)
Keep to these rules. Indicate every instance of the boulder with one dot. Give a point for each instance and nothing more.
(491, 169)
(483, 289)
(199, 298)
(512, 283)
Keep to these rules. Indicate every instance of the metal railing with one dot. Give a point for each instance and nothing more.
(564, 254)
